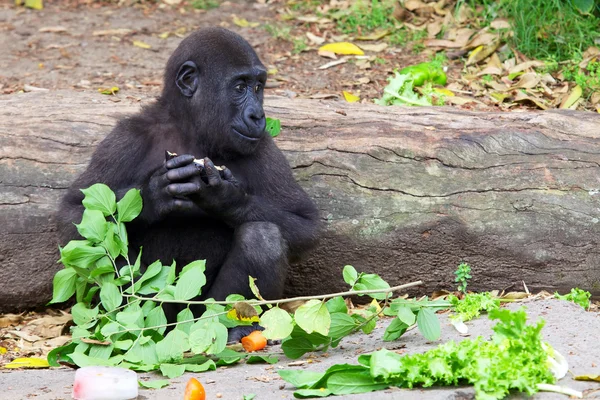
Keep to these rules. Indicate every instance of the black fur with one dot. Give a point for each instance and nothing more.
(251, 218)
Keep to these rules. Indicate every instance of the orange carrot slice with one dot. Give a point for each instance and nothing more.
(254, 341)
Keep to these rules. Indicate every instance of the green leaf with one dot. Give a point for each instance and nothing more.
(82, 314)
(300, 378)
(341, 325)
(82, 360)
(249, 396)
(154, 384)
(63, 285)
(371, 282)
(156, 317)
(337, 305)
(79, 253)
(152, 270)
(130, 206)
(191, 279)
(257, 359)
(429, 324)
(110, 296)
(394, 330)
(61, 354)
(353, 382)
(185, 315)
(278, 323)
(100, 197)
(101, 351)
(208, 365)
(384, 364)
(172, 370)
(172, 347)
(131, 316)
(584, 6)
(406, 315)
(143, 353)
(350, 275)
(93, 226)
(110, 329)
(309, 393)
(228, 357)
(313, 316)
(273, 126)
(207, 336)
(171, 272)
(110, 242)
(296, 347)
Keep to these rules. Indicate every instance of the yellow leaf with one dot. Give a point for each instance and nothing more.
(139, 43)
(595, 378)
(572, 98)
(375, 304)
(242, 311)
(31, 362)
(3, 350)
(164, 35)
(111, 90)
(350, 98)
(35, 4)
(443, 91)
(342, 48)
(243, 22)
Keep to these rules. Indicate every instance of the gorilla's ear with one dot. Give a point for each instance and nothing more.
(187, 78)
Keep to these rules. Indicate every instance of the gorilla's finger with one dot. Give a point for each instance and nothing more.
(183, 189)
(183, 173)
(183, 205)
(179, 161)
(226, 173)
(212, 173)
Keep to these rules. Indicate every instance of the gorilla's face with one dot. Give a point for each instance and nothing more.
(223, 81)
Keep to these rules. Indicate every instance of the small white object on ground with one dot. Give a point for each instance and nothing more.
(105, 383)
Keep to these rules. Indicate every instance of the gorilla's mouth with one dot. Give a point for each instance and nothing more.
(246, 136)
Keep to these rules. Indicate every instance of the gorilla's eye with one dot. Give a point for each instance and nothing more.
(241, 87)
(257, 88)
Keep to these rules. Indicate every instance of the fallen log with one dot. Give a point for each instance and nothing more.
(407, 193)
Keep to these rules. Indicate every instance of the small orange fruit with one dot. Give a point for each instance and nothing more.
(194, 390)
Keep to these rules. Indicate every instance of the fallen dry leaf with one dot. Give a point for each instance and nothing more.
(140, 44)
(333, 63)
(375, 47)
(317, 40)
(574, 96)
(112, 32)
(53, 29)
(528, 81)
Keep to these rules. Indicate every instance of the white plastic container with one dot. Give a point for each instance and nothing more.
(105, 383)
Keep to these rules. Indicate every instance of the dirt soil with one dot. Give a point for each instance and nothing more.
(569, 329)
(68, 45)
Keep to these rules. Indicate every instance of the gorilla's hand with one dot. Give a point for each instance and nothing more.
(166, 190)
(219, 193)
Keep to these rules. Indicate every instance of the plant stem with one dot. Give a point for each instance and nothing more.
(291, 299)
(559, 389)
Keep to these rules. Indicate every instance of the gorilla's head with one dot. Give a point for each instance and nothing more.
(214, 83)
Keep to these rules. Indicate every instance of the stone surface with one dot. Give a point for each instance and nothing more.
(569, 329)
(404, 192)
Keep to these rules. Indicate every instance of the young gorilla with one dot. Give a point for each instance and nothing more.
(250, 218)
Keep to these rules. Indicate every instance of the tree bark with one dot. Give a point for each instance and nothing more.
(407, 193)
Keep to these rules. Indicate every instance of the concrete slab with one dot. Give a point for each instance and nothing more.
(571, 330)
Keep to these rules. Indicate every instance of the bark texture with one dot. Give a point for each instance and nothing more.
(407, 193)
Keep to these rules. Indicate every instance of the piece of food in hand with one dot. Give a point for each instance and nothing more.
(105, 383)
(200, 161)
(254, 341)
(194, 390)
